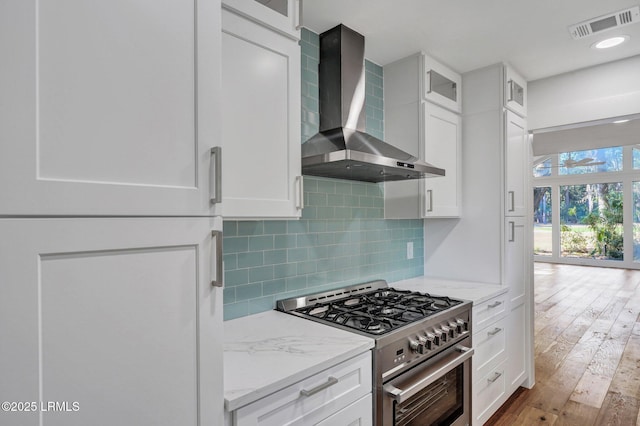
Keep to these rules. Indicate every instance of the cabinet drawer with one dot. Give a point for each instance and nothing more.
(360, 413)
(490, 347)
(486, 312)
(488, 393)
(313, 399)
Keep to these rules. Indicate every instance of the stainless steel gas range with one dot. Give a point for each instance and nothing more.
(422, 354)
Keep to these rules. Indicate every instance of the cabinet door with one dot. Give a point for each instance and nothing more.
(117, 315)
(516, 259)
(516, 165)
(111, 107)
(442, 148)
(515, 92)
(442, 85)
(261, 116)
(280, 15)
(516, 348)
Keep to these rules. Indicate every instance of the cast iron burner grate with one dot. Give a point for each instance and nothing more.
(380, 311)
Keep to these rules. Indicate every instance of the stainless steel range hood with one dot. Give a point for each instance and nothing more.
(342, 149)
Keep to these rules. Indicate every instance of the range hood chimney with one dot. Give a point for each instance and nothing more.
(342, 149)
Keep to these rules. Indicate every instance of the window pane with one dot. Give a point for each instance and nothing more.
(542, 245)
(636, 219)
(542, 169)
(591, 221)
(636, 158)
(590, 161)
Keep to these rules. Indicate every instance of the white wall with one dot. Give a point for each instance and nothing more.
(602, 91)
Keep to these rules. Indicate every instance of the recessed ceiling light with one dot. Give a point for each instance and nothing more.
(610, 42)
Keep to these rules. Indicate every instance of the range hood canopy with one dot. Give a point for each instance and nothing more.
(342, 149)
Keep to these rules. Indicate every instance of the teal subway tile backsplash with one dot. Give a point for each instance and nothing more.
(374, 100)
(342, 237)
(350, 245)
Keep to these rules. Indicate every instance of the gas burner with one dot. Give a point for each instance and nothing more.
(376, 311)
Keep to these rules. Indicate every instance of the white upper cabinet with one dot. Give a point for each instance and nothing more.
(515, 92)
(116, 314)
(442, 85)
(261, 173)
(430, 130)
(442, 147)
(516, 165)
(109, 108)
(279, 15)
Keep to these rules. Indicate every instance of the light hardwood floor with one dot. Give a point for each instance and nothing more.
(587, 350)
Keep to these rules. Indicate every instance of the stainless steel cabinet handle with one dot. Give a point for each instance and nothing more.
(495, 304)
(494, 332)
(430, 200)
(429, 88)
(512, 200)
(495, 377)
(330, 382)
(218, 281)
(510, 86)
(300, 192)
(512, 224)
(215, 175)
(441, 368)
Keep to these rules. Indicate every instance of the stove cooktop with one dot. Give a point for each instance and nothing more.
(372, 308)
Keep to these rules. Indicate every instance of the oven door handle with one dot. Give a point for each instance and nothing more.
(443, 366)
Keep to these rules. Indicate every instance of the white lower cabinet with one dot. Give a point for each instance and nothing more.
(490, 333)
(489, 392)
(517, 367)
(114, 316)
(338, 395)
(360, 413)
(487, 312)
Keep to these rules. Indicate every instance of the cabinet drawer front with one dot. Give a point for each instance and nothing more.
(360, 413)
(486, 312)
(490, 347)
(313, 399)
(488, 393)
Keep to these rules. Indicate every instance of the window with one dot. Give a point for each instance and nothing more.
(542, 241)
(591, 221)
(590, 161)
(580, 202)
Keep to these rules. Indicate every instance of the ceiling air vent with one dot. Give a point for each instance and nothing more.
(605, 22)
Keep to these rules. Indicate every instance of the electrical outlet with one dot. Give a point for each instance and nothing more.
(409, 250)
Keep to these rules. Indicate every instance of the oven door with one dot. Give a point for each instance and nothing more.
(436, 392)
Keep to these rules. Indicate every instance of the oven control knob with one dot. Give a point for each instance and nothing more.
(416, 347)
(436, 337)
(453, 329)
(462, 325)
(426, 344)
(442, 334)
(448, 332)
(429, 340)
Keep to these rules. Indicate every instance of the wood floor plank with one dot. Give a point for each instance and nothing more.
(576, 414)
(534, 416)
(618, 410)
(587, 350)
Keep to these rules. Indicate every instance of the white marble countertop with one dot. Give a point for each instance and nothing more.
(266, 352)
(477, 292)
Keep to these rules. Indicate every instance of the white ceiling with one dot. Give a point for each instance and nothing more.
(531, 35)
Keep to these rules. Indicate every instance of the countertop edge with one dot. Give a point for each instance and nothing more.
(292, 379)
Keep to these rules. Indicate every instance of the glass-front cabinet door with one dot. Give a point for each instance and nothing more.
(282, 16)
(442, 85)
